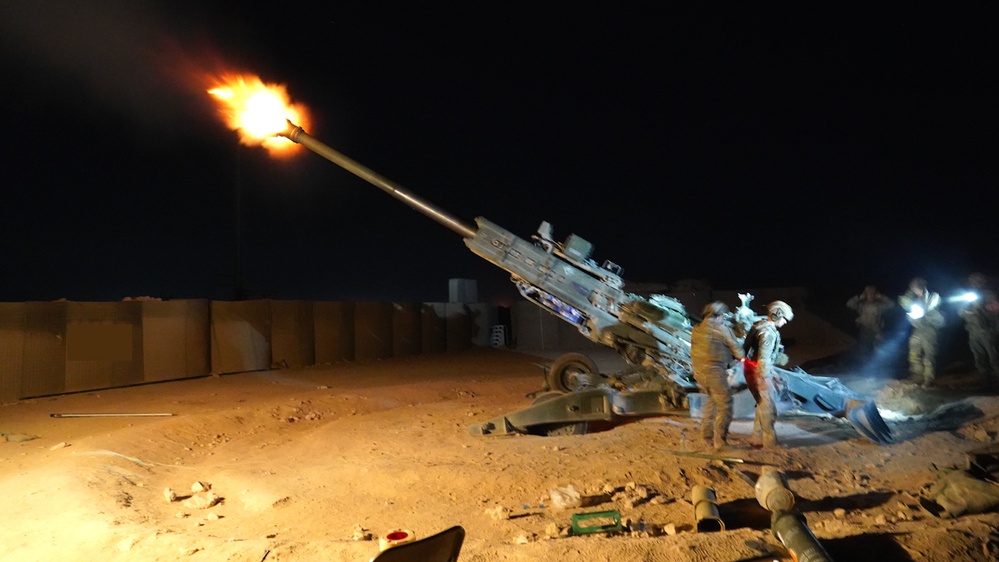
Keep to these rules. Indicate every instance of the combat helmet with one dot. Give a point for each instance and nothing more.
(780, 309)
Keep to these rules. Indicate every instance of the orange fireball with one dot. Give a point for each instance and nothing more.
(259, 111)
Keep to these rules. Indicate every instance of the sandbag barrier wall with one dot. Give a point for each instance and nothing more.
(49, 348)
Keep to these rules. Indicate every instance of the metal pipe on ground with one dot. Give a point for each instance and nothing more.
(790, 527)
(772, 492)
(706, 517)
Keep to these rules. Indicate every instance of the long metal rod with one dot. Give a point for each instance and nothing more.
(705, 456)
(297, 134)
(117, 415)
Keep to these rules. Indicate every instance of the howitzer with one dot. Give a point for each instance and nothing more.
(652, 334)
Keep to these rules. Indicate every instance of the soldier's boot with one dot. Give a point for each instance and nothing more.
(754, 438)
(768, 423)
(708, 434)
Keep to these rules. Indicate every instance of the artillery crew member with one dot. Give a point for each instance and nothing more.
(981, 327)
(870, 307)
(763, 351)
(922, 307)
(713, 348)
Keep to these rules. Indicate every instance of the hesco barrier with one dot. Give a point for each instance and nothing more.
(59, 347)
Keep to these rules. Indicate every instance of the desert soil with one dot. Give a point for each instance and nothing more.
(320, 463)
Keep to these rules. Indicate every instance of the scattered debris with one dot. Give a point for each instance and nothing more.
(499, 513)
(124, 545)
(362, 534)
(567, 497)
(202, 501)
(525, 538)
(18, 437)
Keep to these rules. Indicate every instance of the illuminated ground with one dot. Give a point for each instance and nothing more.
(306, 460)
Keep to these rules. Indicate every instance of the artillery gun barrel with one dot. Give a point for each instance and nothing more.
(296, 134)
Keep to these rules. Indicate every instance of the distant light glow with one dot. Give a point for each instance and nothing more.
(969, 296)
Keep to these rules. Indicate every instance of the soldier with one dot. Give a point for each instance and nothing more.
(870, 306)
(713, 347)
(980, 325)
(763, 351)
(992, 313)
(922, 307)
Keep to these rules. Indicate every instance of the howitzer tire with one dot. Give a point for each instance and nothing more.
(557, 429)
(571, 372)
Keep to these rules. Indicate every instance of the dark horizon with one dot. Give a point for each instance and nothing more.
(748, 148)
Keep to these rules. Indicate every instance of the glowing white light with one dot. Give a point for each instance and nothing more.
(916, 312)
(970, 296)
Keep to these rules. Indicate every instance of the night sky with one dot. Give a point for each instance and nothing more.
(770, 145)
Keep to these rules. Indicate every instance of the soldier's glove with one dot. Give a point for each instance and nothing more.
(782, 359)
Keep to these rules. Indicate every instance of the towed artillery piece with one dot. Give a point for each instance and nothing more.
(651, 334)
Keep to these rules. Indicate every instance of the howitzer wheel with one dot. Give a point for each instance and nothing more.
(557, 429)
(571, 372)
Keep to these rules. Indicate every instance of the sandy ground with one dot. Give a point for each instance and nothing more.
(304, 464)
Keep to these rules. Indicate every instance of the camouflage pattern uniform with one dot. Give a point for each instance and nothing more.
(924, 334)
(764, 347)
(713, 347)
(870, 307)
(981, 337)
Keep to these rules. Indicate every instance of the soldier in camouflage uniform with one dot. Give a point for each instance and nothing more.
(713, 347)
(870, 307)
(922, 307)
(981, 330)
(764, 351)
